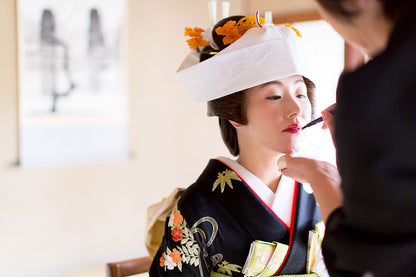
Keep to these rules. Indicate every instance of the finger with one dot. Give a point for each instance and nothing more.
(329, 120)
(331, 108)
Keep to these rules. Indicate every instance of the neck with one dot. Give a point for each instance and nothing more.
(263, 165)
(377, 37)
(375, 29)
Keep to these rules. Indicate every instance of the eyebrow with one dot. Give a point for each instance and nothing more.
(280, 83)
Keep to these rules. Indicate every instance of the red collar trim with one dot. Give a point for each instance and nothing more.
(292, 223)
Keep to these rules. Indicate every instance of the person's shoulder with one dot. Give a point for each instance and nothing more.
(207, 177)
(399, 57)
(199, 196)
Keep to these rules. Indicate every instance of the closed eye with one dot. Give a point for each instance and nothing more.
(301, 96)
(274, 97)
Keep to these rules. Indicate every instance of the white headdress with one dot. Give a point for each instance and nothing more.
(261, 55)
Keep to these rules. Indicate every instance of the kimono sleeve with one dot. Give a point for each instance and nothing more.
(179, 253)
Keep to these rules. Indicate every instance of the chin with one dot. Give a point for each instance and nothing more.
(287, 147)
(290, 150)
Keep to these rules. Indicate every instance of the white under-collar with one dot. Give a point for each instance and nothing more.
(280, 202)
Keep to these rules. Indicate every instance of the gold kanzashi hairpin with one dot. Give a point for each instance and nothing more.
(294, 29)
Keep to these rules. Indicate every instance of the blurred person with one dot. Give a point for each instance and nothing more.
(371, 221)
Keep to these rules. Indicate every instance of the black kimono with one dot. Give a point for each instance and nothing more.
(375, 230)
(216, 220)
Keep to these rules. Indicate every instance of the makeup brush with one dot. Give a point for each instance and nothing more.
(316, 121)
(313, 122)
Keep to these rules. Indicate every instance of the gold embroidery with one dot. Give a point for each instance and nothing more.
(227, 268)
(225, 177)
(294, 29)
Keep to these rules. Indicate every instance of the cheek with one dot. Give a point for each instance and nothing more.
(258, 114)
(307, 111)
(265, 124)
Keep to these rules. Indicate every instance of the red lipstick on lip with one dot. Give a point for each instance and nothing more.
(294, 128)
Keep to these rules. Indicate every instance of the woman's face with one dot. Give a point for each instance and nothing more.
(276, 112)
(343, 27)
(367, 30)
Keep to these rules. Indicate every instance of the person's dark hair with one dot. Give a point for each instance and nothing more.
(233, 107)
(230, 107)
(393, 9)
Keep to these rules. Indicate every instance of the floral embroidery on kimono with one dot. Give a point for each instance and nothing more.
(210, 231)
(188, 249)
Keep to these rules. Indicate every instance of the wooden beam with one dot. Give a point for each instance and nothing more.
(298, 17)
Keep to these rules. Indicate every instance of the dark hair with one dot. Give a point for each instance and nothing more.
(230, 107)
(233, 107)
(393, 9)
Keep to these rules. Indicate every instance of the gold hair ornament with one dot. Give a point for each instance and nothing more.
(294, 29)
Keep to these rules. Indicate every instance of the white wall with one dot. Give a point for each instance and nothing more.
(60, 219)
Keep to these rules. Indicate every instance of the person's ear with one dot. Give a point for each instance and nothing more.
(356, 6)
(235, 124)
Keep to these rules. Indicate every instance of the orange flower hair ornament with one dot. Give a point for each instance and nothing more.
(229, 31)
(234, 67)
(234, 30)
(196, 39)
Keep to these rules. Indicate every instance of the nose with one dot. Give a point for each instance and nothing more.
(293, 107)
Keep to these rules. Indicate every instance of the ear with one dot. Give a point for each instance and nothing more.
(235, 124)
(355, 6)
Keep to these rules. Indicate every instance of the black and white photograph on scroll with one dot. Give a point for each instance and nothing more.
(72, 99)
